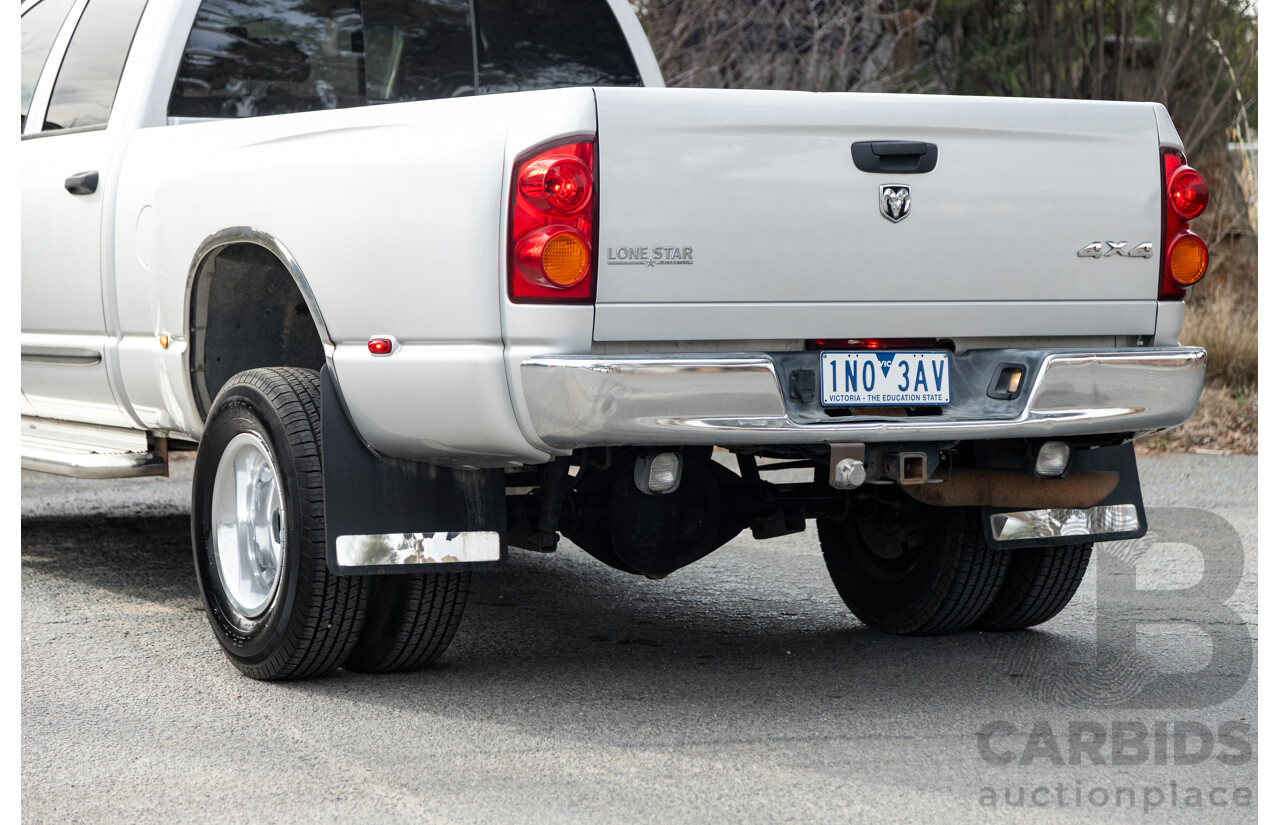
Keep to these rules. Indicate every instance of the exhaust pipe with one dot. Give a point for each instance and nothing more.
(1014, 489)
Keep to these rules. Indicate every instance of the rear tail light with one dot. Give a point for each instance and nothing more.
(1184, 257)
(553, 225)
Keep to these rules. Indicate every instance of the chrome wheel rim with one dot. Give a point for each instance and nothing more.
(248, 535)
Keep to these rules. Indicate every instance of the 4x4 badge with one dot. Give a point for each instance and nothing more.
(1105, 249)
(895, 201)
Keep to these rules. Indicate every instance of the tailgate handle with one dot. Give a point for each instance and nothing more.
(900, 157)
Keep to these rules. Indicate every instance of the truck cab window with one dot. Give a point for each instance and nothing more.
(547, 44)
(90, 71)
(282, 56)
(39, 27)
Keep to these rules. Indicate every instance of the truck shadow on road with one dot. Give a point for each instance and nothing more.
(592, 648)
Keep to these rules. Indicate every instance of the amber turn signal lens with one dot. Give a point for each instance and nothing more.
(1188, 260)
(565, 259)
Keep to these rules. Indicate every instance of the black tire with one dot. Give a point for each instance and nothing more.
(409, 621)
(1040, 582)
(313, 617)
(907, 568)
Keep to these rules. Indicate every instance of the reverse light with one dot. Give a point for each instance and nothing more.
(553, 225)
(658, 473)
(1052, 459)
(1184, 257)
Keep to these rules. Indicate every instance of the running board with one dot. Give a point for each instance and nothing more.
(88, 451)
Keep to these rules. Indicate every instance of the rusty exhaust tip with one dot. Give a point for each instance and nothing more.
(1015, 489)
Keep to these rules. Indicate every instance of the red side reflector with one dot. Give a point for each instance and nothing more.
(380, 346)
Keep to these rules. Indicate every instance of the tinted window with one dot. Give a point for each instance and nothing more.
(264, 57)
(546, 44)
(39, 27)
(90, 72)
(279, 56)
(418, 50)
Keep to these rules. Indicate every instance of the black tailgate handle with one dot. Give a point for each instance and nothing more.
(899, 157)
(84, 183)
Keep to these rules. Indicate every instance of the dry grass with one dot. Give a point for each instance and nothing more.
(1222, 317)
(1225, 323)
(1224, 423)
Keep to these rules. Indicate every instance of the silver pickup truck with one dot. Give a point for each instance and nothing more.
(426, 281)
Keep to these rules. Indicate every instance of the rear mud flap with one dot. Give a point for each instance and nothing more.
(386, 515)
(1118, 516)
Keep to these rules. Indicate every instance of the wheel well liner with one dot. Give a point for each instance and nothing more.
(248, 305)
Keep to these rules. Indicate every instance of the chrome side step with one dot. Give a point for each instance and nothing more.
(89, 451)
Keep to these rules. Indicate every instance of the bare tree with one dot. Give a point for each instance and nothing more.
(809, 45)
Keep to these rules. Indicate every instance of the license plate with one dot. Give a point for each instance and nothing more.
(885, 379)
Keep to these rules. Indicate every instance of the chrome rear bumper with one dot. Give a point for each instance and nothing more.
(739, 400)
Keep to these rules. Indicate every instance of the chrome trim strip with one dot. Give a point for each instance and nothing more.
(737, 400)
(247, 234)
(418, 549)
(227, 237)
(1042, 524)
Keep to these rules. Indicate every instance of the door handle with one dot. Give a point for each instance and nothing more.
(900, 157)
(84, 183)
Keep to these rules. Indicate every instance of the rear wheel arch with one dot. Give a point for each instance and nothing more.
(248, 305)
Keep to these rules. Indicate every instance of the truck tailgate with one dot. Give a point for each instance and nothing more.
(741, 214)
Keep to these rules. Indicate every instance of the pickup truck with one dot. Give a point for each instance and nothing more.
(422, 282)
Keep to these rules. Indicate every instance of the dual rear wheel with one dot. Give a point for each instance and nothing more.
(907, 568)
(258, 535)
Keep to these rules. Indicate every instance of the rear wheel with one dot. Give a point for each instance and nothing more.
(908, 568)
(409, 622)
(1039, 583)
(258, 533)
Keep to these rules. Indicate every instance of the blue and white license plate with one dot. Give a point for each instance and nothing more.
(885, 379)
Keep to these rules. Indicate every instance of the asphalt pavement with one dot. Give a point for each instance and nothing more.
(739, 689)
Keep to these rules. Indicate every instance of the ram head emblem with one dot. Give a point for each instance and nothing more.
(895, 201)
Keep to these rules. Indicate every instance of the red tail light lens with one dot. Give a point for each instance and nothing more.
(553, 225)
(561, 185)
(1184, 258)
(1188, 193)
(873, 343)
